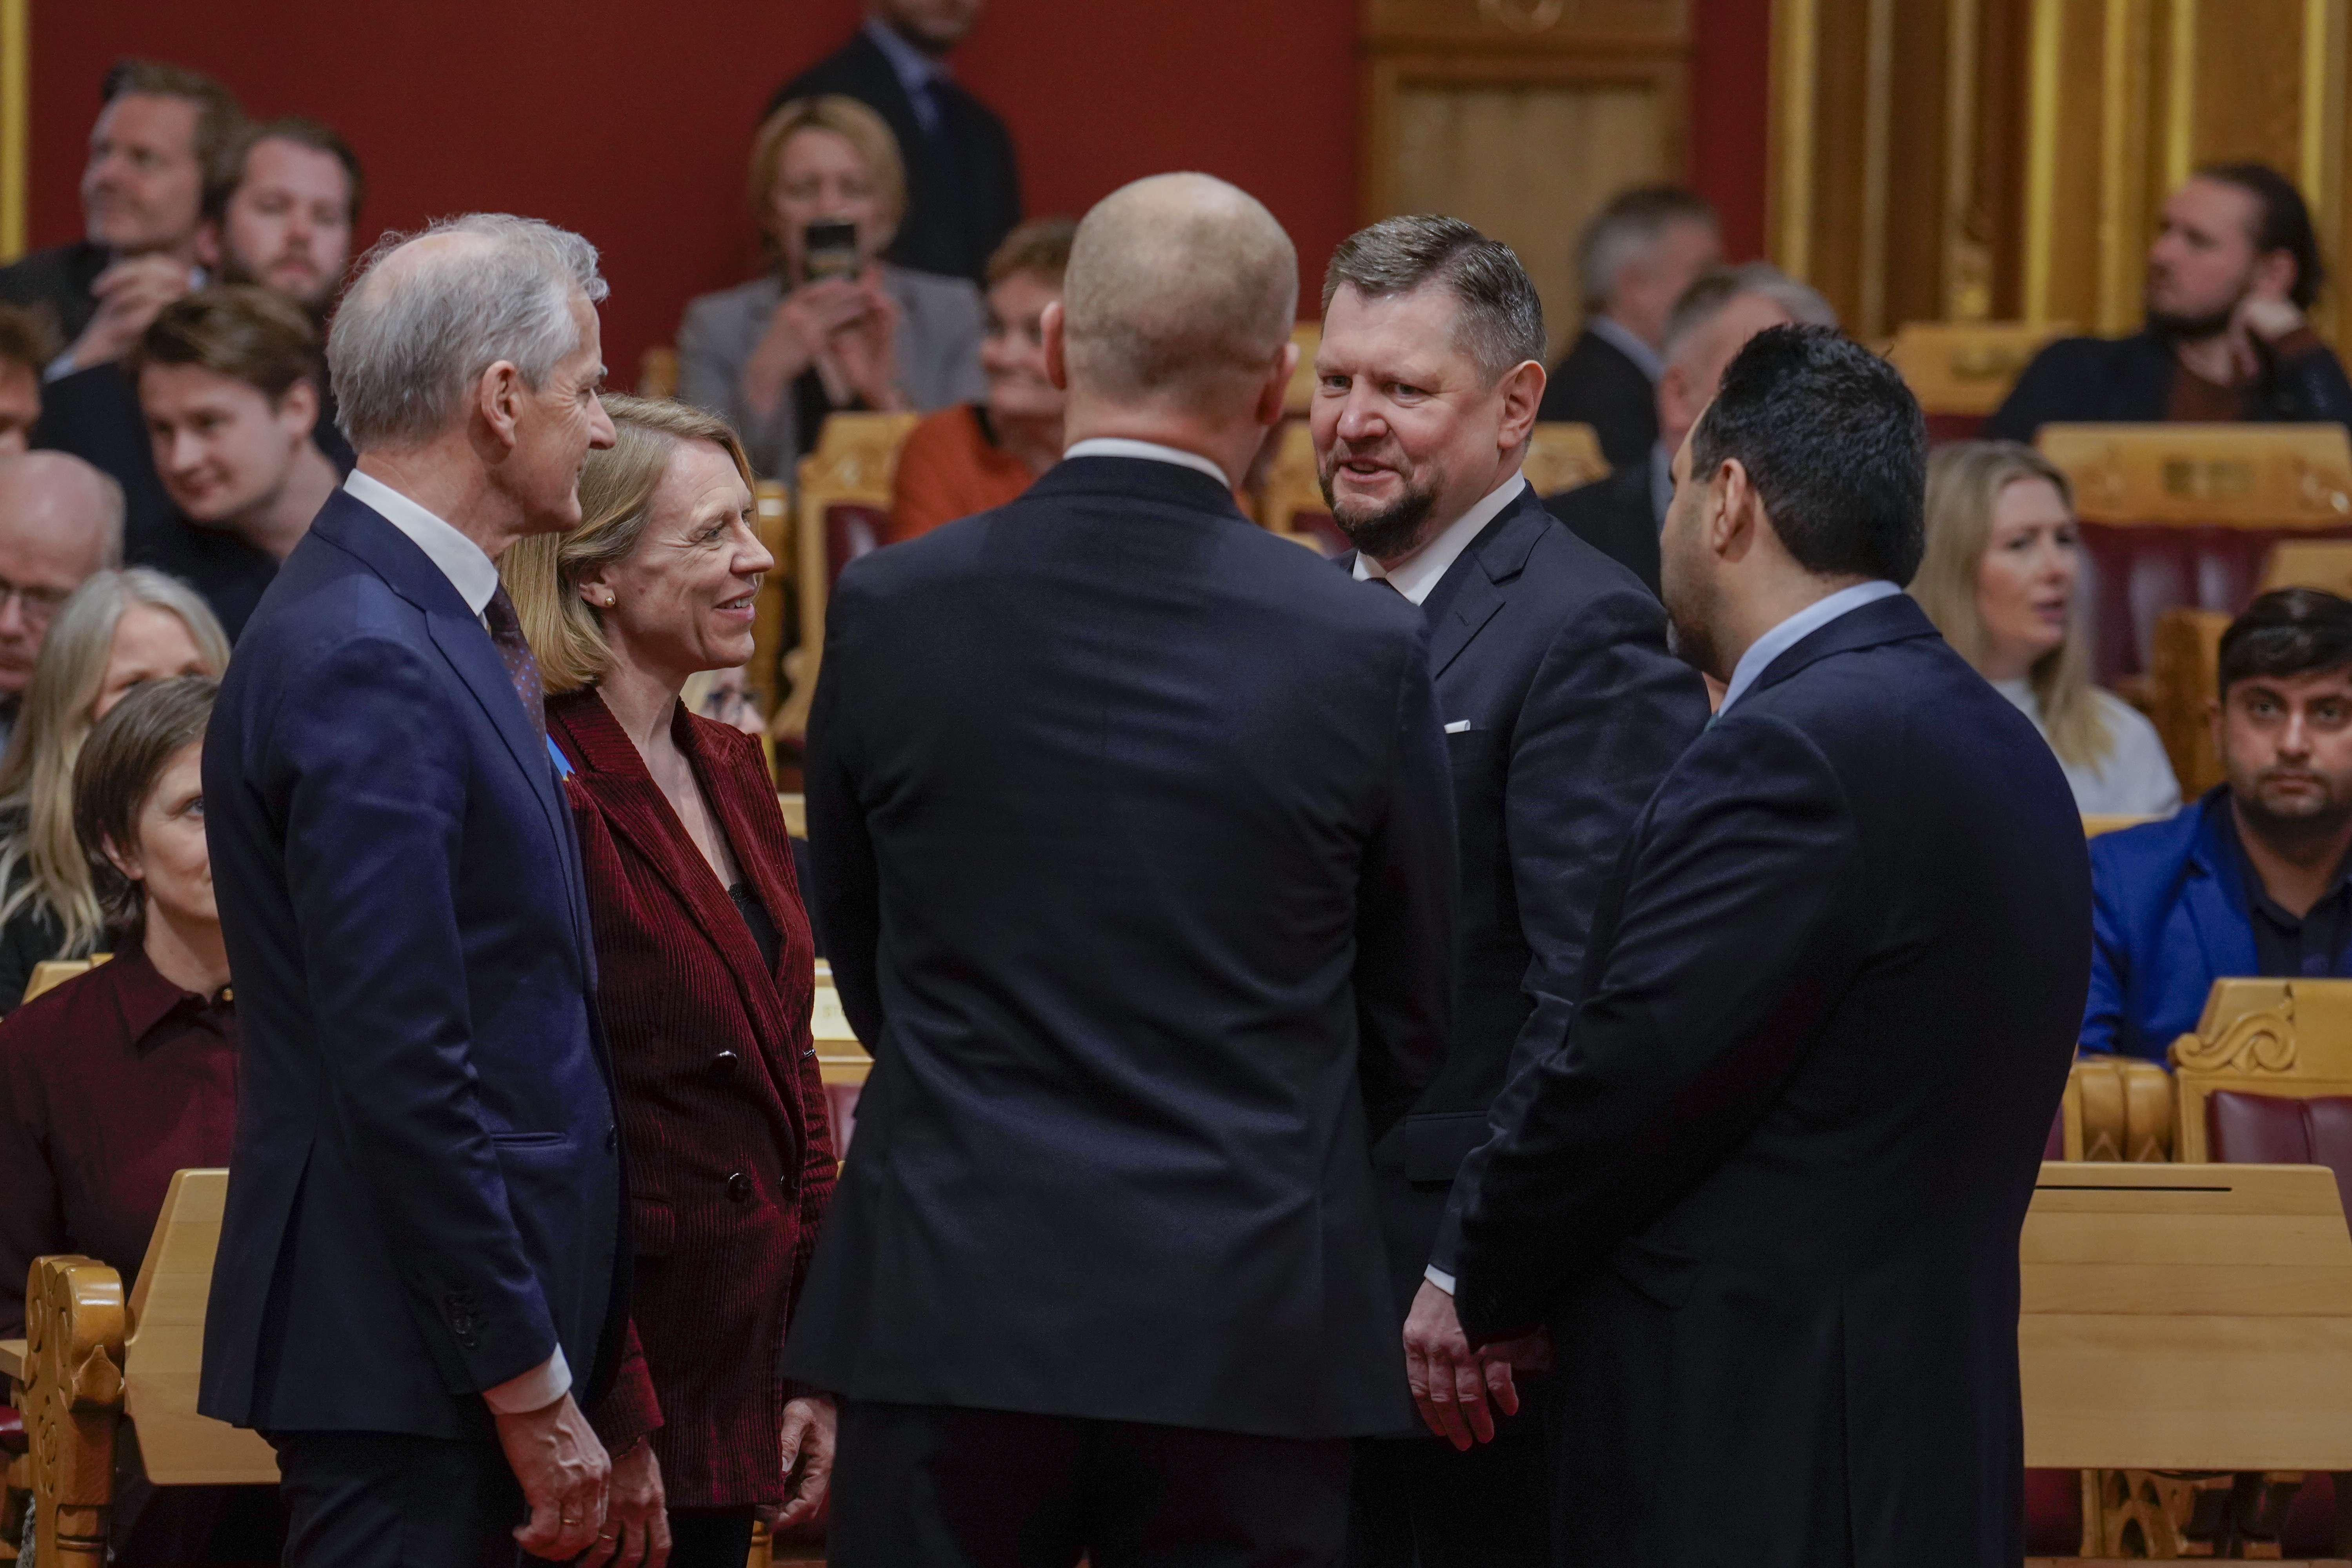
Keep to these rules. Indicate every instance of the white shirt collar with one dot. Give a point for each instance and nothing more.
(1150, 452)
(1419, 573)
(461, 560)
(1796, 629)
(1622, 338)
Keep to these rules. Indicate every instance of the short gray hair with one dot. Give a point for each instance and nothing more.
(1630, 224)
(1714, 291)
(1501, 322)
(405, 352)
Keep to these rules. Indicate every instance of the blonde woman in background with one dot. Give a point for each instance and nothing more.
(1999, 581)
(119, 630)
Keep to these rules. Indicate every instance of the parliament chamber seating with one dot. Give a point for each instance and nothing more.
(843, 501)
(1960, 371)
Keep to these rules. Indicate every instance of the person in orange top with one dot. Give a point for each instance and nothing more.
(976, 455)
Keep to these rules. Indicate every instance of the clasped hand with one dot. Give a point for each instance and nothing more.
(1453, 1384)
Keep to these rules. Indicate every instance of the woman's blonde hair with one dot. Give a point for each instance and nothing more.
(1964, 482)
(543, 572)
(865, 132)
(41, 861)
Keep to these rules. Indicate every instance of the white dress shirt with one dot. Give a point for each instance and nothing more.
(1150, 452)
(475, 578)
(1418, 574)
(1796, 629)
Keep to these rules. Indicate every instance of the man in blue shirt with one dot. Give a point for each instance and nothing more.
(2253, 879)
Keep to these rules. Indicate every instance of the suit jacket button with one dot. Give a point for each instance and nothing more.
(722, 1066)
(739, 1188)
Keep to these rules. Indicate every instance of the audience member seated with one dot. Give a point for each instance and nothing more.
(60, 523)
(1634, 260)
(1621, 515)
(963, 189)
(831, 329)
(977, 456)
(162, 132)
(114, 1080)
(1999, 580)
(228, 380)
(120, 630)
(26, 346)
(703, 969)
(2233, 271)
(2252, 880)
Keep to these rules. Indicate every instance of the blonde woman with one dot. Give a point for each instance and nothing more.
(1999, 581)
(832, 327)
(705, 973)
(117, 630)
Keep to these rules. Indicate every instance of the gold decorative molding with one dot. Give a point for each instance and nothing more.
(2259, 1042)
(1523, 15)
(1794, 87)
(15, 125)
(73, 1401)
(2049, 22)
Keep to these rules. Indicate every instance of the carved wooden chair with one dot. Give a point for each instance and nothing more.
(1960, 371)
(92, 1361)
(657, 372)
(771, 610)
(1562, 456)
(1308, 336)
(844, 494)
(55, 972)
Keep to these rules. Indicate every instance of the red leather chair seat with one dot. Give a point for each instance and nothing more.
(2053, 1514)
(841, 1106)
(2054, 1146)
(850, 531)
(1943, 427)
(12, 1429)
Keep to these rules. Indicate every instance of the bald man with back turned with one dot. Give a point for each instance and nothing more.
(1135, 854)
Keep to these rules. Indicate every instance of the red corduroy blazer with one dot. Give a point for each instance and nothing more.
(731, 1157)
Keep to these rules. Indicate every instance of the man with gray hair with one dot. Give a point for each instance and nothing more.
(1621, 515)
(421, 1284)
(1562, 710)
(61, 521)
(1134, 861)
(1634, 260)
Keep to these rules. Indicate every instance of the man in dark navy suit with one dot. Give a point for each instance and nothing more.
(963, 187)
(1135, 859)
(2256, 877)
(1562, 711)
(1766, 1189)
(420, 1283)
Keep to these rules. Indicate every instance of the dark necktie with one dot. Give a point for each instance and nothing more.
(522, 669)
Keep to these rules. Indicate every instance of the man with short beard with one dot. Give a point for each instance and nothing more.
(1562, 711)
(286, 217)
(2233, 270)
(2253, 879)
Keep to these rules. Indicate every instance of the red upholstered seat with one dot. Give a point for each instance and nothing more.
(2053, 1514)
(1318, 526)
(2054, 1146)
(12, 1429)
(850, 531)
(841, 1108)
(1943, 427)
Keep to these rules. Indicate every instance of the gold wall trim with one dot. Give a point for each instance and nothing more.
(2180, 97)
(2323, 98)
(15, 124)
(2042, 154)
(1968, 282)
(1877, 151)
(1795, 40)
(2123, 86)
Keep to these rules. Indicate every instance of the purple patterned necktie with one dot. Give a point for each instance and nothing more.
(522, 669)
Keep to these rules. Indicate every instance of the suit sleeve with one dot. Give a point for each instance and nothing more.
(1607, 714)
(1728, 949)
(2102, 1008)
(374, 773)
(841, 852)
(1405, 892)
(2038, 398)
(2311, 380)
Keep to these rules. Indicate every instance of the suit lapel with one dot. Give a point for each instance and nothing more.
(1472, 588)
(2217, 904)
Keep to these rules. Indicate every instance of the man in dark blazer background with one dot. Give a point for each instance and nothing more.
(1562, 710)
(963, 187)
(1134, 860)
(1767, 1189)
(420, 1283)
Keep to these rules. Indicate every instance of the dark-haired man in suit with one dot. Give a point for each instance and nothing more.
(1135, 859)
(963, 188)
(1562, 711)
(1766, 1187)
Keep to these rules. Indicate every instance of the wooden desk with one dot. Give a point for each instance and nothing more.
(839, 1058)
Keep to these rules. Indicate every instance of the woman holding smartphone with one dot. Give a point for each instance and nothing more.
(833, 327)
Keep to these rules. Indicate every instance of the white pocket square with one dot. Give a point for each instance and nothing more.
(1458, 726)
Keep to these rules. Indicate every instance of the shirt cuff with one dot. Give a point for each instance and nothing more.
(1433, 1274)
(60, 367)
(537, 1389)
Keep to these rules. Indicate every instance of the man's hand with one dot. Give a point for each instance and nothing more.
(1451, 1382)
(554, 1453)
(129, 294)
(808, 1459)
(637, 1524)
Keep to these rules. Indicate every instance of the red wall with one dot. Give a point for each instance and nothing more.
(627, 120)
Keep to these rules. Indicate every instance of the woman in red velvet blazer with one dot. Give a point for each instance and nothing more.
(705, 975)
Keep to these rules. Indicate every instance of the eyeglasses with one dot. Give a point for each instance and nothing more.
(39, 607)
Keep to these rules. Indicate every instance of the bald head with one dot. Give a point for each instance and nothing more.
(1179, 294)
(61, 521)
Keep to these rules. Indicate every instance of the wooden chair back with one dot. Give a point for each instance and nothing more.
(2268, 477)
(51, 972)
(164, 1353)
(772, 611)
(2323, 563)
(845, 484)
(1967, 367)
(1309, 337)
(657, 372)
(1562, 456)
(1293, 504)
(2283, 1037)
(2118, 1110)
(2184, 677)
